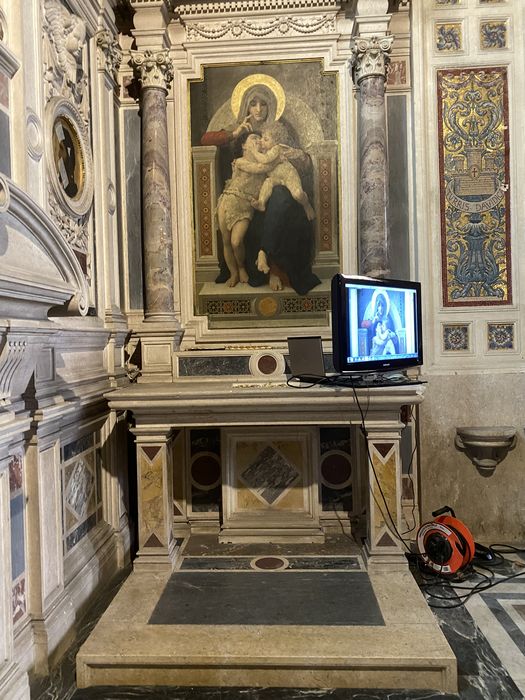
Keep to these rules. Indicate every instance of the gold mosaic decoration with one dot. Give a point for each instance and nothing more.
(474, 183)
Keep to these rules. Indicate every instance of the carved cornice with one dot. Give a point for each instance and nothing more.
(9, 63)
(153, 68)
(277, 26)
(199, 9)
(370, 57)
(109, 54)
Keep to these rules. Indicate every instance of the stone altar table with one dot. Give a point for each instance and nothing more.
(160, 409)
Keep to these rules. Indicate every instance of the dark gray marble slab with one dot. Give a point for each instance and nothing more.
(294, 563)
(260, 598)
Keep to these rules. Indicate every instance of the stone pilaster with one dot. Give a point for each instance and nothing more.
(155, 499)
(370, 59)
(384, 496)
(155, 73)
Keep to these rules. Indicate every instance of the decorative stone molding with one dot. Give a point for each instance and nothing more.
(486, 447)
(244, 6)
(112, 198)
(277, 26)
(109, 54)
(29, 288)
(35, 140)
(64, 37)
(9, 63)
(370, 57)
(4, 194)
(153, 68)
(16, 365)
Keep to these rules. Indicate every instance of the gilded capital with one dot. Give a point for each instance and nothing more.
(370, 56)
(153, 68)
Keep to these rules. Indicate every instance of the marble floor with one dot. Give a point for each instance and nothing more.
(487, 633)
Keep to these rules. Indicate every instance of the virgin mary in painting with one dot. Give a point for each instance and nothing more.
(282, 232)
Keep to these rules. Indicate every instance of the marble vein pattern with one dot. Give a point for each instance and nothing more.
(158, 248)
(269, 475)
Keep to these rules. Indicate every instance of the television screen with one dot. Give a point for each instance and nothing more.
(376, 324)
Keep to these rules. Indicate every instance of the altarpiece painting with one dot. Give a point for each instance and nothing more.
(265, 184)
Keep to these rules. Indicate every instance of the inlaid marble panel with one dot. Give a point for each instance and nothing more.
(336, 474)
(205, 470)
(81, 488)
(18, 547)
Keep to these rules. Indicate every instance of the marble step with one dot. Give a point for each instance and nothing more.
(407, 651)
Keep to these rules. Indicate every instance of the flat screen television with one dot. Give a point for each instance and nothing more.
(376, 324)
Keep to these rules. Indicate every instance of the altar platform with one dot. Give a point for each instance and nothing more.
(263, 615)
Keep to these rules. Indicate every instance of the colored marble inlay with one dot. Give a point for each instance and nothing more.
(474, 183)
(448, 36)
(206, 471)
(213, 366)
(205, 210)
(205, 440)
(270, 563)
(151, 498)
(455, 337)
(384, 462)
(270, 475)
(396, 73)
(15, 474)
(493, 35)
(325, 203)
(500, 336)
(336, 470)
(80, 482)
(19, 599)
(267, 364)
(448, 2)
(267, 306)
(77, 447)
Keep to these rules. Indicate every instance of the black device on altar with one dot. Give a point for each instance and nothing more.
(376, 324)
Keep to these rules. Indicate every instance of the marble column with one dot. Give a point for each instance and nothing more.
(155, 73)
(370, 58)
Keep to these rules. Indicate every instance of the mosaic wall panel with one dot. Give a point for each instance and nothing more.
(474, 183)
(456, 337)
(18, 552)
(448, 37)
(81, 474)
(501, 336)
(336, 474)
(205, 470)
(493, 34)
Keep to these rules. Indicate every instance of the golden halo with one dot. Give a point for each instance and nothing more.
(258, 79)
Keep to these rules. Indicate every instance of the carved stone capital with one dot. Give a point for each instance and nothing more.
(109, 55)
(370, 56)
(153, 68)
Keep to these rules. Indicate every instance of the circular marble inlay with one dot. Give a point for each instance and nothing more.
(336, 470)
(267, 306)
(206, 471)
(267, 364)
(270, 563)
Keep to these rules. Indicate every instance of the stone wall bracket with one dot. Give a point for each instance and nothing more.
(486, 446)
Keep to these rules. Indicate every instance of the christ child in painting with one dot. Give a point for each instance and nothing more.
(235, 207)
(274, 153)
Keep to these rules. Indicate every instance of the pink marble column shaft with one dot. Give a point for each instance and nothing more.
(374, 257)
(156, 206)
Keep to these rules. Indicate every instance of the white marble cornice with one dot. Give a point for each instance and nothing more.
(39, 228)
(242, 7)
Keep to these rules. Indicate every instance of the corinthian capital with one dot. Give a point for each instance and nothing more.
(153, 68)
(370, 56)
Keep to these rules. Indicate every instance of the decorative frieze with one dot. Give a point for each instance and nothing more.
(154, 69)
(277, 26)
(245, 6)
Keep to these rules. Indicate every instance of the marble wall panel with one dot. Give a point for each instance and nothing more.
(18, 545)
(5, 148)
(336, 474)
(398, 168)
(133, 217)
